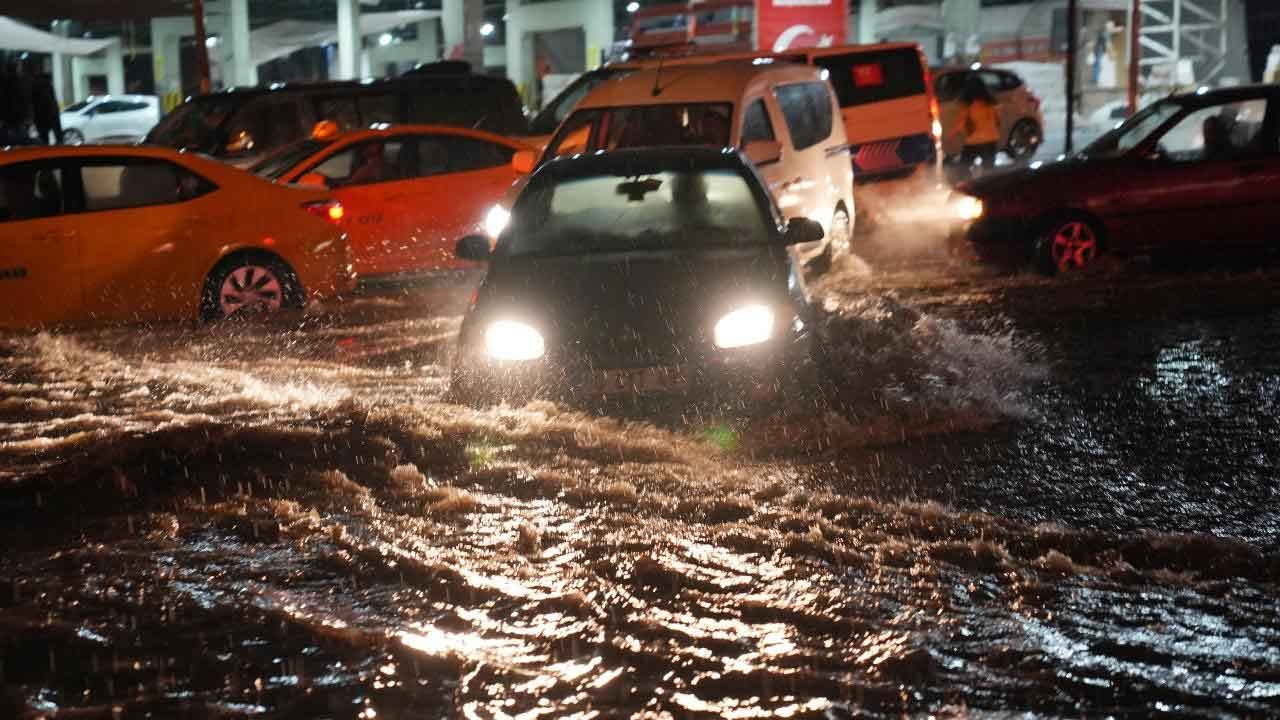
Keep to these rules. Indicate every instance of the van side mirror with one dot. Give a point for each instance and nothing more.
(473, 247)
(801, 230)
(314, 179)
(524, 161)
(763, 152)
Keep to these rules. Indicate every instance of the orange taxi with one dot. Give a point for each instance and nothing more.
(91, 234)
(410, 191)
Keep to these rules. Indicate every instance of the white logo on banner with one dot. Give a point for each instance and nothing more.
(794, 33)
(801, 3)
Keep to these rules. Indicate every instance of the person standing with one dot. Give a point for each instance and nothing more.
(45, 110)
(980, 124)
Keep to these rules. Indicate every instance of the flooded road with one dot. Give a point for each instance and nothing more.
(1019, 495)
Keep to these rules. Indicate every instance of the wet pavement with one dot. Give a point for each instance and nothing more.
(1020, 495)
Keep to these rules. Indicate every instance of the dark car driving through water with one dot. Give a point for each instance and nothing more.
(655, 272)
(1191, 174)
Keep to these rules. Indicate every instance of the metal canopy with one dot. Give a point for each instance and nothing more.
(1173, 31)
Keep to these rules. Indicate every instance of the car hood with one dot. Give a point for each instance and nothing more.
(1032, 176)
(631, 309)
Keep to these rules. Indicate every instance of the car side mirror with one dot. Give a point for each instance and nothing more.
(314, 179)
(524, 161)
(473, 247)
(763, 152)
(802, 230)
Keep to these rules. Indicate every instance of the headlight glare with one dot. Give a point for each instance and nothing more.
(969, 207)
(495, 221)
(509, 340)
(747, 325)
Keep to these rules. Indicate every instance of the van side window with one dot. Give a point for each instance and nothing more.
(806, 107)
(755, 123)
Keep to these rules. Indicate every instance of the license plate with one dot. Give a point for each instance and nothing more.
(640, 380)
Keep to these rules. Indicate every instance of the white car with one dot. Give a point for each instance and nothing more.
(110, 119)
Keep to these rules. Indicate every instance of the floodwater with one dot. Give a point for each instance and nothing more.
(1019, 496)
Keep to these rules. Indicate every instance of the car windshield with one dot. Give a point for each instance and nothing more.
(77, 107)
(644, 126)
(671, 210)
(1132, 132)
(555, 111)
(280, 162)
(196, 125)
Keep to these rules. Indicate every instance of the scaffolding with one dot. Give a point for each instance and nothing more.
(1182, 42)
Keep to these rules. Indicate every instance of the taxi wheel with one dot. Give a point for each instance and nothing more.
(249, 283)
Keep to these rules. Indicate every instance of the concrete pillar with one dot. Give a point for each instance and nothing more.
(597, 20)
(79, 77)
(453, 20)
(115, 67)
(428, 41)
(867, 21)
(166, 56)
(593, 16)
(243, 69)
(61, 67)
(350, 41)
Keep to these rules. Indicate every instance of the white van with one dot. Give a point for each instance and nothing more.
(785, 117)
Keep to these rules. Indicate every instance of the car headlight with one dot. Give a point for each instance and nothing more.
(495, 221)
(969, 207)
(509, 340)
(748, 325)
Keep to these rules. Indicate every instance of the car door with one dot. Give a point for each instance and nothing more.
(368, 178)
(459, 179)
(135, 228)
(39, 246)
(1192, 191)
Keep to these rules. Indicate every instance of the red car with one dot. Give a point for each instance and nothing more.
(1189, 173)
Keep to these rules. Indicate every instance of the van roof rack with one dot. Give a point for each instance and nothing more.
(442, 67)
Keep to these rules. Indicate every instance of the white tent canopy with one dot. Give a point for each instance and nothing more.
(283, 38)
(21, 37)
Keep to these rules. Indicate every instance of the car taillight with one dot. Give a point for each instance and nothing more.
(330, 210)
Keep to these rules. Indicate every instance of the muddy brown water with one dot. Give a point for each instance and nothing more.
(1045, 497)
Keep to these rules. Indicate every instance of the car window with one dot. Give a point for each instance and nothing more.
(339, 109)
(874, 76)
(1009, 81)
(657, 211)
(1133, 132)
(806, 108)
(264, 124)
(116, 185)
(1217, 132)
(109, 107)
(474, 154)
(993, 81)
(755, 123)
(77, 107)
(379, 109)
(134, 106)
(367, 163)
(31, 190)
(197, 124)
(948, 86)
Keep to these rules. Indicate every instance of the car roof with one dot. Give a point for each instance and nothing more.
(643, 161)
(712, 82)
(51, 152)
(1227, 94)
(354, 136)
(409, 79)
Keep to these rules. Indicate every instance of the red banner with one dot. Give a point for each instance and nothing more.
(792, 24)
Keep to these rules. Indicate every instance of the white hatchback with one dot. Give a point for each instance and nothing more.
(110, 119)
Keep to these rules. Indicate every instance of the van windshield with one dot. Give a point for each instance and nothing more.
(640, 126)
(872, 76)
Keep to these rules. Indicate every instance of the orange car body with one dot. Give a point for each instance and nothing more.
(410, 191)
(92, 234)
